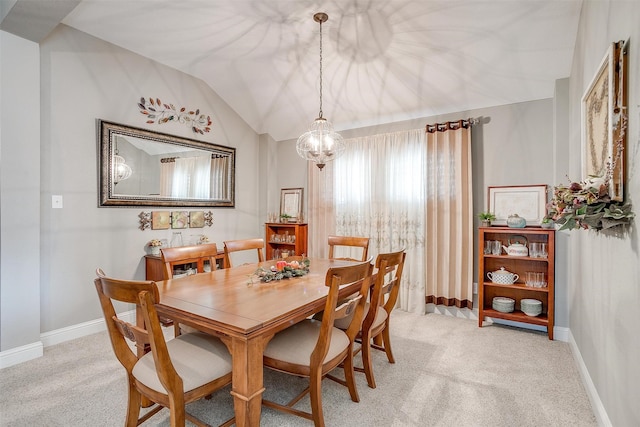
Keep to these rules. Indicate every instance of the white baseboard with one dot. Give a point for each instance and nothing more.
(559, 333)
(33, 351)
(598, 408)
(21, 354)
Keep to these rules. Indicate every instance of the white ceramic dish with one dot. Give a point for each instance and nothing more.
(503, 304)
(531, 307)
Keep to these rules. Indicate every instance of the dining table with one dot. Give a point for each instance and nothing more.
(245, 312)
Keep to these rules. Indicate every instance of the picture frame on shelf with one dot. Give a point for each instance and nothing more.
(603, 103)
(527, 201)
(291, 204)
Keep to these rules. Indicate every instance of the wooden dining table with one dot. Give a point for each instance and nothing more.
(245, 313)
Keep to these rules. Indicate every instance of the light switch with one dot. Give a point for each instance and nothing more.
(56, 202)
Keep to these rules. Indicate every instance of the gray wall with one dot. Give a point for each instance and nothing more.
(512, 145)
(19, 194)
(49, 110)
(604, 268)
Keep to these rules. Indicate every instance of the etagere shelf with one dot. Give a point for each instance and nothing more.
(291, 237)
(519, 265)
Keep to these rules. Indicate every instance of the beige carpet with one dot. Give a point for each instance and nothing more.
(449, 372)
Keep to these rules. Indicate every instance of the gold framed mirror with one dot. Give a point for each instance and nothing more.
(139, 167)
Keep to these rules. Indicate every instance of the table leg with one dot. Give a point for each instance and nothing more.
(247, 380)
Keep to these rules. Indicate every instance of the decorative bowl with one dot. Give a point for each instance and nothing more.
(503, 304)
(516, 221)
(531, 307)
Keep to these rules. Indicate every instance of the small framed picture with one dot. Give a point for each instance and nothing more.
(179, 219)
(196, 219)
(291, 204)
(160, 220)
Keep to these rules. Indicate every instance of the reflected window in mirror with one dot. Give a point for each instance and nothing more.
(165, 170)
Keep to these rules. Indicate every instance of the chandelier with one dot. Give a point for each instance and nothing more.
(320, 144)
(120, 170)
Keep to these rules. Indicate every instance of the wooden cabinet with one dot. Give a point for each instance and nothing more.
(154, 267)
(519, 265)
(290, 237)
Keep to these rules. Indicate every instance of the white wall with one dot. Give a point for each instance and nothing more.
(604, 268)
(19, 194)
(84, 79)
(512, 145)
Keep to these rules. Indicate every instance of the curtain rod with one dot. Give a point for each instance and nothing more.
(441, 127)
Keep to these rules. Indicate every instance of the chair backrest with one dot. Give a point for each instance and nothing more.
(129, 291)
(197, 254)
(335, 278)
(243, 245)
(387, 283)
(352, 241)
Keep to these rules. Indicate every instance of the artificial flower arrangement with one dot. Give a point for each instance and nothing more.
(155, 243)
(587, 204)
(283, 270)
(203, 239)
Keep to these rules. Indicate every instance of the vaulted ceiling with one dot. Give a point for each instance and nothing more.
(383, 60)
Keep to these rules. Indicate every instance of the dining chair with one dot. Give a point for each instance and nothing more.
(182, 255)
(173, 373)
(186, 255)
(313, 348)
(243, 245)
(349, 241)
(374, 332)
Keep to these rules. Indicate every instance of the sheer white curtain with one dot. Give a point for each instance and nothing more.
(191, 177)
(167, 167)
(405, 190)
(377, 189)
(219, 173)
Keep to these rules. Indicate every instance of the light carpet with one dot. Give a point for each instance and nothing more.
(448, 372)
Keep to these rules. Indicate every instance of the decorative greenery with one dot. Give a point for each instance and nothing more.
(587, 204)
(283, 270)
(161, 113)
(285, 216)
(486, 216)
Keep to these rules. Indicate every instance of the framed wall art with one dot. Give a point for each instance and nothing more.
(528, 201)
(291, 204)
(604, 122)
(160, 220)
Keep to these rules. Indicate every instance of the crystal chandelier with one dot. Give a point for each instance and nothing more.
(320, 144)
(120, 170)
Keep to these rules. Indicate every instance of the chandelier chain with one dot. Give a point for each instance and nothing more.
(320, 113)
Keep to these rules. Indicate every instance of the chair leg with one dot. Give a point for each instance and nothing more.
(349, 376)
(367, 364)
(177, 410)
(315, 395)
(387, 344)
(133, 408)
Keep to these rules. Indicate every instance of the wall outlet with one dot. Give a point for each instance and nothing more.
(56, 202)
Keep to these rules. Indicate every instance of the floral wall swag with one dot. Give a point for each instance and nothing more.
(158, 112)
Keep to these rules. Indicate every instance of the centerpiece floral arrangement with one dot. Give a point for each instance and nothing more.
(587, 204)
(283, 270)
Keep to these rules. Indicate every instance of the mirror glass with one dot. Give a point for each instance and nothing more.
(139, 167)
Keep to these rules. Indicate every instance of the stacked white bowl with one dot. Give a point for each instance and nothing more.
(531, 307)
(503, 304)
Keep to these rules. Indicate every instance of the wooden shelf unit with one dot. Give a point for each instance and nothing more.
(296, 230)
(519, 265)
